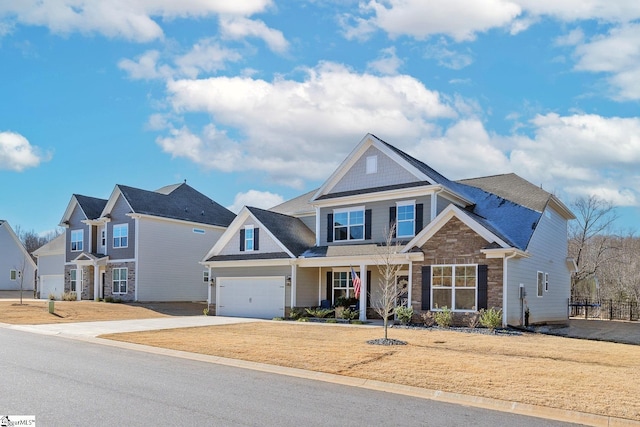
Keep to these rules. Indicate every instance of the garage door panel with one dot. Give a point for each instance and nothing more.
(260, 297)
(51, 284)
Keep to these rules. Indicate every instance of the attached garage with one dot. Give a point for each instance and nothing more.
(51, 284)
(259, 297)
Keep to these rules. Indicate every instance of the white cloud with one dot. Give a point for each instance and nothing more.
(573, 10)
(128, 19)
(387, 63)
(446, 57)
(317, 119)
(145, 66)
(236, 27)
(17, 154)
(574, 37)
(255, 198)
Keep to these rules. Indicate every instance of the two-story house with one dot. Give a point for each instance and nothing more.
(17, 268)
(495, 241)
(141, 245)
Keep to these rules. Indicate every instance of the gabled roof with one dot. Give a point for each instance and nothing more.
(91, 207)
(288, 232)
(297, 206)
(4, 224)
(53, 247)
(180, 202)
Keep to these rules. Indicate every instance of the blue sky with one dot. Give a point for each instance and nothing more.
(257, 101)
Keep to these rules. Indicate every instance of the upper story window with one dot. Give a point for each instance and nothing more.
(348, 224)
(103, 237)
(405, 219)
(248, 238)
(77, 238)
(454, 287)
(121, 236)
(372, 164)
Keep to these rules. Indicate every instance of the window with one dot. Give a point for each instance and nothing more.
(454, 287)
(546, 282)
(248, 238)
(205, 276)
(77, 237)
(13, 274)
(342, 285)
(121, 235)
(103, 238)
(540, 283)
(120, 280)
(73, 281)
(372, 164)
(405, 219)
(348, 224)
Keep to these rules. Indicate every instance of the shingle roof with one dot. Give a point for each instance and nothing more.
(91, 206)
(297, 205)
(290, 231)
(512, 187)
(182, 203)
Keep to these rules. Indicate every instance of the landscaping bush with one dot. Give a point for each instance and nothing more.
(295, 313)
(319, 312)
(69, 296)
(444, 317)
(404, 314)
(491, 318)
(427, 319)
(278, 318)
(350, 314)
(205, 311)
(472, 320)
(345, 302)
(52, 297)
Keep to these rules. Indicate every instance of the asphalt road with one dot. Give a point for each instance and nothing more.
(71, 383)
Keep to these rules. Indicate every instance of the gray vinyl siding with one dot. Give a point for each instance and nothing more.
(13, 258)
(169, 255)
(548, 249)
(50, 264)
(309, 221)
(307, 287)
(441, 204)
(265, 243)
(389, 173)
(379, 219)
(75, 223)
(119, 216)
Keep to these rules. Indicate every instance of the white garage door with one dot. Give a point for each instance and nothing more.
(259, 297)
(51, 284)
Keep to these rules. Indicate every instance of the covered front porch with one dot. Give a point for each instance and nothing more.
(90, 276)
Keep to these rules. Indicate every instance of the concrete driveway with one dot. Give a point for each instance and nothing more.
(599, 330)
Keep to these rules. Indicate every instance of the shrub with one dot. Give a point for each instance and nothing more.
(52, 297)
(427, 319)
(69, 296)
(444, 317)
(345, 302)
(295, 313)
(278, 318)
(472, 320)
(404, 314)
(491, 318)
(332, 320)
(303, 319)
(319, 312)
(350, 314)
(205, 311)
(108, 299)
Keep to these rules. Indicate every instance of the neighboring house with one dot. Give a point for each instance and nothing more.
(50, 259)
(17, 268)
(464, 245)
(141, 245)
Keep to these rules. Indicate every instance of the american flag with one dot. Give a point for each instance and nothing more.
(356, 282)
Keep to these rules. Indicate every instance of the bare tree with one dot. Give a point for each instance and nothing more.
(32, 240)
(590, 242)
(389, 293)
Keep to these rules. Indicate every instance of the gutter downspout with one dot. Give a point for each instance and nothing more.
(505, 277)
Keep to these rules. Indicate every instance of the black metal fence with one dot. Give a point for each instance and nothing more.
(604, 309)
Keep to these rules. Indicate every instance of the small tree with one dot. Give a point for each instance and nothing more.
(20, 275)
(389, 293)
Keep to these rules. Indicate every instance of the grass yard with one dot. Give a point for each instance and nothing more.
(595, 377)
(36, 312)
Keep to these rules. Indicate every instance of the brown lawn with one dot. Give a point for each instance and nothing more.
(588, 376)
(35, 312)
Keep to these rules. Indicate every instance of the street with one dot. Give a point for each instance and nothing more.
(71, 383)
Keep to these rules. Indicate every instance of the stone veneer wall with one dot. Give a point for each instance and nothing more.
(86, 283)
(131, 281)
(455, 243)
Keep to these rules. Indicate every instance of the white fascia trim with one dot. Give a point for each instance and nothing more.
(402, 193)
(111, 201)
(179, 221)
(448, 213)
(560, 207)
(505, 252)
(270, 234)
(399, 258)
(234, 227)
(67, 213)
(248, 263)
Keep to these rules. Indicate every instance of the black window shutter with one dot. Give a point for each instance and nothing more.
(329, 286)
(367, 224)
(392, 219)
(242, 240)
(426, 287)
(483, 287)
(419, 217)
(256, 238)
(368, 288)
(330, 227)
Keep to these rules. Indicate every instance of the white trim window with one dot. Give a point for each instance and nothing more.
(248, 238)
(77, 240)
(406, 219)
(205, 276)
(348, 224)
(541, 283)
(13, 274)
(120, 280)
(73, 280)
(455, 287)
(342, 285)
(121, 235)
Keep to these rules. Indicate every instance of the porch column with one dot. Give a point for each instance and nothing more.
(96, 282)
(294, 270)
(363, 292)
(410, 285)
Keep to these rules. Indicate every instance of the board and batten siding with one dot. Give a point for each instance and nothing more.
(379, 219)
(75, 223)
(388, 172)
(265, 243)
(119, 216)
(169, 255)
(549, 250)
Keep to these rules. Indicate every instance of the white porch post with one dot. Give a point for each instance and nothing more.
(363, 292)
(96, 282)
(209, 286)
(410, 285)
(294, 270)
